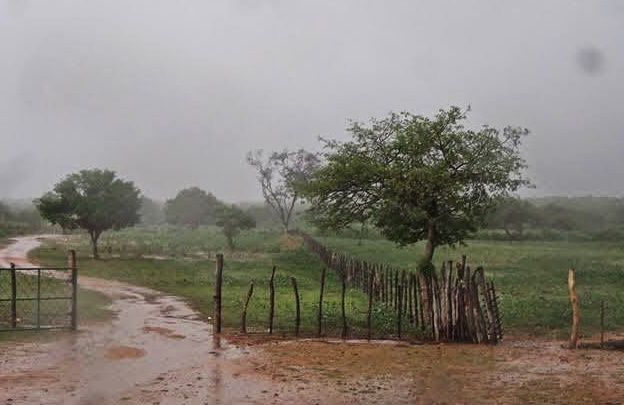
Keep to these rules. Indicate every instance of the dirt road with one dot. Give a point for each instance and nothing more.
(156, 348)
(157, 351)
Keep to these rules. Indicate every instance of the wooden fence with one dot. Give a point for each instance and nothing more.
(454, 303)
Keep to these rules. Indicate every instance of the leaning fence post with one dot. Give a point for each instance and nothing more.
(576, 317)
(272, 300)
(13, 297)
(217, 296)
(320, 308)
(74, 282)
(297, 306)
(244, 315)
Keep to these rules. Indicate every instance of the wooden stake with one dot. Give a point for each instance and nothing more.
(320, 308)
(369, 321)
(271, 300)
(74, 283)
(602, 312)
(244, 315)
(576, 316)
(344, 312)
(13, 296)
(297, 306)
(217, 295)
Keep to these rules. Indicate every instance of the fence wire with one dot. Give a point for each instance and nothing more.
(35, 298)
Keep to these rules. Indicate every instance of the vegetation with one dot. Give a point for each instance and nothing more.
(281, 176)
(557, 218)
(417, 178)
(19, 218)
(232, 220)
(530, 277)
(94, 200)
(192, 207)
(192, 277)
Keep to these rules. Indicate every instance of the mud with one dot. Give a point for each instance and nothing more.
(158, 351)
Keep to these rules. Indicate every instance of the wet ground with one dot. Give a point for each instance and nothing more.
(158, 351)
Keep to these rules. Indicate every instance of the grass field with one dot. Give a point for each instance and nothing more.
(530, 276)
(192, 277)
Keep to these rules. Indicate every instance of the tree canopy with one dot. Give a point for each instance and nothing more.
(232, 220)
(192, 207)
(417, 178)
(281, 175)
(94, 200)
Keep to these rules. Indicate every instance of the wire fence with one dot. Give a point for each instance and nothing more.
(38, 297)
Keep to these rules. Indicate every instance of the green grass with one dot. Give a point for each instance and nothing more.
(192, 278)
(531, 277)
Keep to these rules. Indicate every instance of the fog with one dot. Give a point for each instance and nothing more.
(174, 93)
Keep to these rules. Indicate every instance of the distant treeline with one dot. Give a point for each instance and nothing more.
(586, 218)
(556, 218)
(18, 218)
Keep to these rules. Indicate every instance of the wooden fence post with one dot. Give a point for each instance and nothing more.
(217, 296)
(320, 309)
(271, 300)
(244, 315)
(602, 313)
(74, 282)
(399, 308)
(13, 297)
(297, 306)
(576, 316)
(344, 312)
(369, 321)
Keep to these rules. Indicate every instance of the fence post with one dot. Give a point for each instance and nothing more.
(320, 309)
(576, 317)
(344, 312)
(217, 296)
(74, 282)
(244, 315)
(13, 297)
(400, 308)
(272, 300)
(602, 312)
(297, 306)
(369, 321)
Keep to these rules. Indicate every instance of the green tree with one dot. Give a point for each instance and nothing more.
(232, 221)
(94, 200)
(417, 178)
(192, 207)
(511, 215)
(281, 175)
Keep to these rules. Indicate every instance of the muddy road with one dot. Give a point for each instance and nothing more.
(156, 350)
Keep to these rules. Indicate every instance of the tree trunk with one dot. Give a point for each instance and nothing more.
(95, 235)
(430, 246)
(230, 241)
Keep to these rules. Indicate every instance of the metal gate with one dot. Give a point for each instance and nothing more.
(38, 297)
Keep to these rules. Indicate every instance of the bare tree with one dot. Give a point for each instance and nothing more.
(281, 175)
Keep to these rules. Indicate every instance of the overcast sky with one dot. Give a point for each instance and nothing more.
(174, 93)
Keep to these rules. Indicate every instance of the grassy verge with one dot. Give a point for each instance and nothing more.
(531, 278)
(191, 277)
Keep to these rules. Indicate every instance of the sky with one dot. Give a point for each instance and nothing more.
(172, 94)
